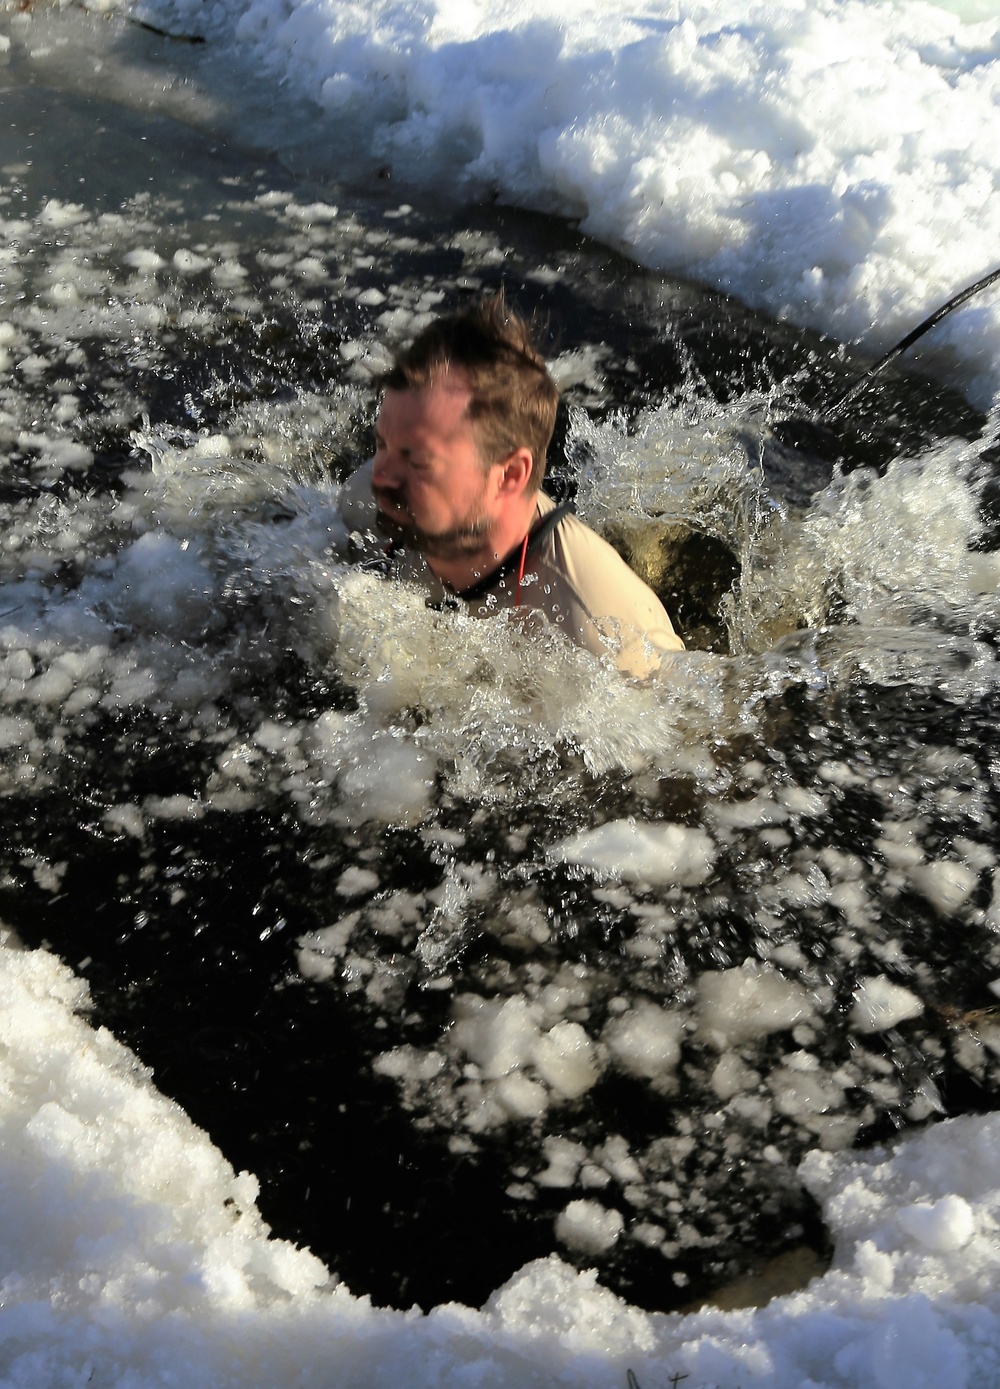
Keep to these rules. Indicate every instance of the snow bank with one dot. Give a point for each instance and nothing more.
(132, 1254)
(835, 163)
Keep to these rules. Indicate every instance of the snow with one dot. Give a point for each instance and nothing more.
(132, 1254)
(833, 163)
(945, 1225)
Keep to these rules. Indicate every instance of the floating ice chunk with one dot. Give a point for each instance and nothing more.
(352, 350)
(15, 731)
(161, 586)
(645, 1042)
(62, 292)
(125, 819)
(564, 1058)
(58, 452)
(589, 1227)
(579, 367)
(354, 881)
(899, 844)
(339, 90)
(944, 1225)
(946, 884)
(647, 853)
(229, 274)
(797, 890)
(409, 1063)
(188, 263)
(761, 810)
(311, 212)
(319, 951)
(978, 856)
(173, 808)
(142, 258)
(521, 1097)
(498, 1035)
(801, 1094)
(503, 1036)
(55, 685)
(276, 737)
(739, 1005)
(390, 780)
(311, 268)
(47, 875)
(58, 214)
(565, 1158)
(801, 801)
(617, 1161)
(731, 1076)
(212, 446)
(852, 899)
(878, 1004)
(33, 366)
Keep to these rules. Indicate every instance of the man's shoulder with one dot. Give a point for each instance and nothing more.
(584, 571)
(586, 557)
(356, 503)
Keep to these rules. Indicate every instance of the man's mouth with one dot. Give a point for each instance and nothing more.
(390, 505)
(394, 519)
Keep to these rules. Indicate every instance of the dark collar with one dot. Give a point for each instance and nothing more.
(543, 527)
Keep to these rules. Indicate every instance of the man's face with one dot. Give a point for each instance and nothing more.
(429, 483)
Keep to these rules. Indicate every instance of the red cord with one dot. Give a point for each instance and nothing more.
(520, 571)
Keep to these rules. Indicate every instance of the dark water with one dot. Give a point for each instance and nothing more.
(187, 927)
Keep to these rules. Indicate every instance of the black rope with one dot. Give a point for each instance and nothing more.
(953, 303)
(164, 33)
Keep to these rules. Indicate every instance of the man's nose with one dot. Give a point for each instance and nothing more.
(386, 472)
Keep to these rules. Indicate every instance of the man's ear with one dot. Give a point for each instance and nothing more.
(516, 474)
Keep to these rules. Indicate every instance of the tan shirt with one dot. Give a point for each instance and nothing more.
(574, 577)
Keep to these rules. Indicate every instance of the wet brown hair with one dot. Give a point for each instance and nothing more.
(514, 398)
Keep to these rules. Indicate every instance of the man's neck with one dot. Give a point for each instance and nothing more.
(465, 570)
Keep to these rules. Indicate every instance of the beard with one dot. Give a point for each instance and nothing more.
(465, 539)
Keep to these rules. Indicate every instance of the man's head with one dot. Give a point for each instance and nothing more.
(513, 398)
(467, 414)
